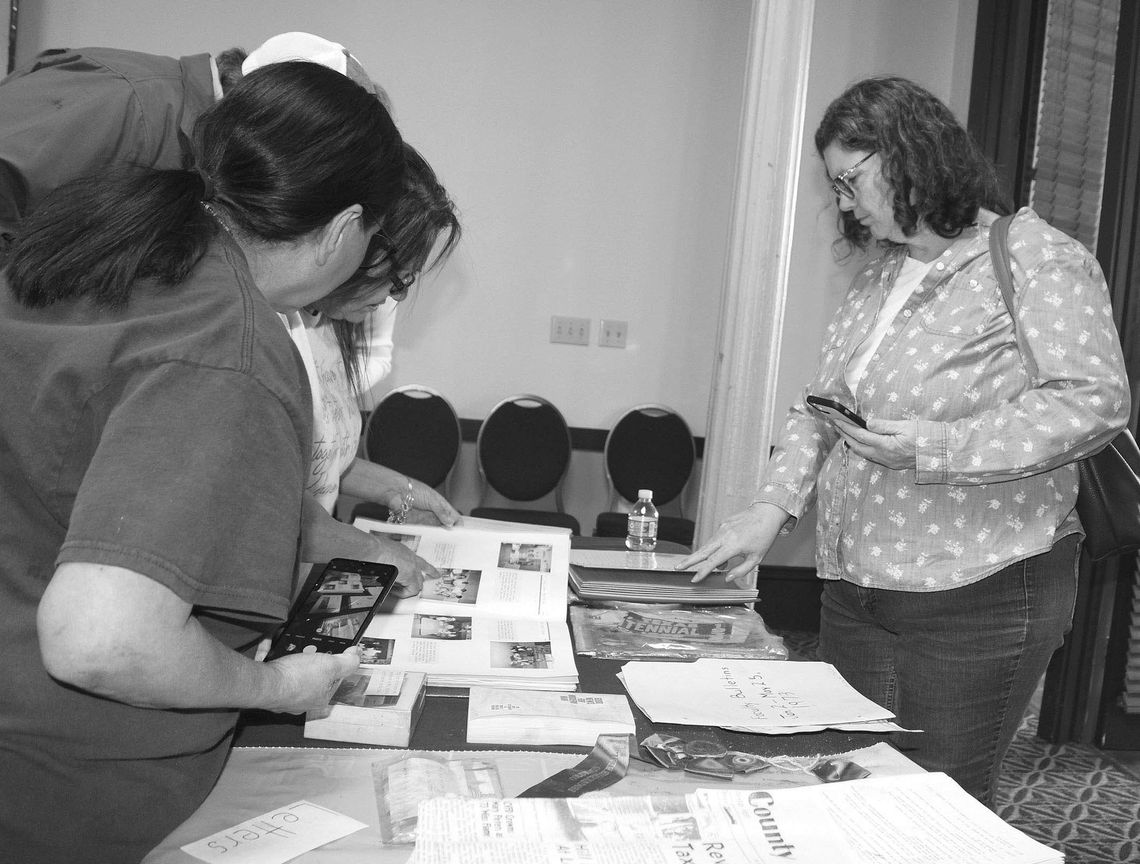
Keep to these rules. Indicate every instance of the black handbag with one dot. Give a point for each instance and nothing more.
(1109, 498)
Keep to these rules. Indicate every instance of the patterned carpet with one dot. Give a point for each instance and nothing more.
(1071, 797)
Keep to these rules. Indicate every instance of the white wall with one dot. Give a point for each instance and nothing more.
(591, 148)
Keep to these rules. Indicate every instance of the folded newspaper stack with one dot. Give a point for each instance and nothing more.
(889, 820)
(501, 716)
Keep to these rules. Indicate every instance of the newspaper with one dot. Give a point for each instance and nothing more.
(888, 820)
(495, 616)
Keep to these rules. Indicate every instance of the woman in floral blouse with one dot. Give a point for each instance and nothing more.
(946, 531)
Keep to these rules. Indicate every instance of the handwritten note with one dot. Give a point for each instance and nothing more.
(276, 836)
(754, 695)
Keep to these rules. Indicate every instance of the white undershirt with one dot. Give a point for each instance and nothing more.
(909, 277)
(336, 416)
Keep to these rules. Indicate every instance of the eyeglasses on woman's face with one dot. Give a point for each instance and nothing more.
(840, 185)
(383, 261)
(400, 283)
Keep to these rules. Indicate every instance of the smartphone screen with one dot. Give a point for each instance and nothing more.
(830, 408)
(334, 607)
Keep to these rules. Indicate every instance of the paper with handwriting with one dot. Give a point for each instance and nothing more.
(275, 837)
(774, 696)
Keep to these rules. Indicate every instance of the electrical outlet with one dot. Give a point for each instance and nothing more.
(611, 334)
(572, 331)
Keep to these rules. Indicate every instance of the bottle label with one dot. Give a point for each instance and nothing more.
(642, 526)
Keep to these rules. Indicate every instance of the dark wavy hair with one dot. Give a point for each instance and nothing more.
(938, 175)
(288, 147)
(409, 235)
(229, 67)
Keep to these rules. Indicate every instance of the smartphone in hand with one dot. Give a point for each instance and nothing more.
(831, 408)
(334, 607)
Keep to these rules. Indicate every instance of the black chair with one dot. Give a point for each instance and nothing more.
(523, 452)
(413, 430)
(650, 447)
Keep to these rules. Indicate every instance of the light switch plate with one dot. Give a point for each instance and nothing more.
(611, 333)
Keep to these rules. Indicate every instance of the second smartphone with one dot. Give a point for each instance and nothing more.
(334, 607)
(831, 408)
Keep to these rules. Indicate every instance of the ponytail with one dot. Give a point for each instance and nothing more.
(95, 237)
(289, 146)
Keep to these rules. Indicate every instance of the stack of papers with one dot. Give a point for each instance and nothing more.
(649, 577)
(498, 716)
(887, 820)
(774, 697)
(496, 616)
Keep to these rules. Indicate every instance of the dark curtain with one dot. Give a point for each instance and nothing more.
(1083, 682)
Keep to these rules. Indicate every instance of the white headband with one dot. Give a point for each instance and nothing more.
(306, 46)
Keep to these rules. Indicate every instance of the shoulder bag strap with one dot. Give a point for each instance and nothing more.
(999, 257)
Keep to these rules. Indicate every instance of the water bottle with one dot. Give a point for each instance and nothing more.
(641, 533)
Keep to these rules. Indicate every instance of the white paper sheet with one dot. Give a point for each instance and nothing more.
(749, 695)
(498, 716)
(275, 837)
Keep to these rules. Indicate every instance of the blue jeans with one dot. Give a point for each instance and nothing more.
(960, 664)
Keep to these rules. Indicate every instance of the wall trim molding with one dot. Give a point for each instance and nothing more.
(742, 400)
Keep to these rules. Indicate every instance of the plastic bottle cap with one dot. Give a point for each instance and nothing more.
(644, 493)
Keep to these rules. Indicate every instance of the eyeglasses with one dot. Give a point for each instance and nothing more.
(840, 186)
(400, 284)
(382, 252)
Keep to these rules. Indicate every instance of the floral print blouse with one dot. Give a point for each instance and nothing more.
(996, 479)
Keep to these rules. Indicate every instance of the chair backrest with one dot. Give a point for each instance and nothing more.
(523, 449)
(415, 431)
(650, 447)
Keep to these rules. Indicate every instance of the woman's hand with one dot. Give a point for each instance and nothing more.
(308, 681)
(891, 443)
(748, 533)
(427, 507)
(372, 482)
(413, 569)
(326, 538)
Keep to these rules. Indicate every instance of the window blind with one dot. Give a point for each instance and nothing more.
(1073, 115)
